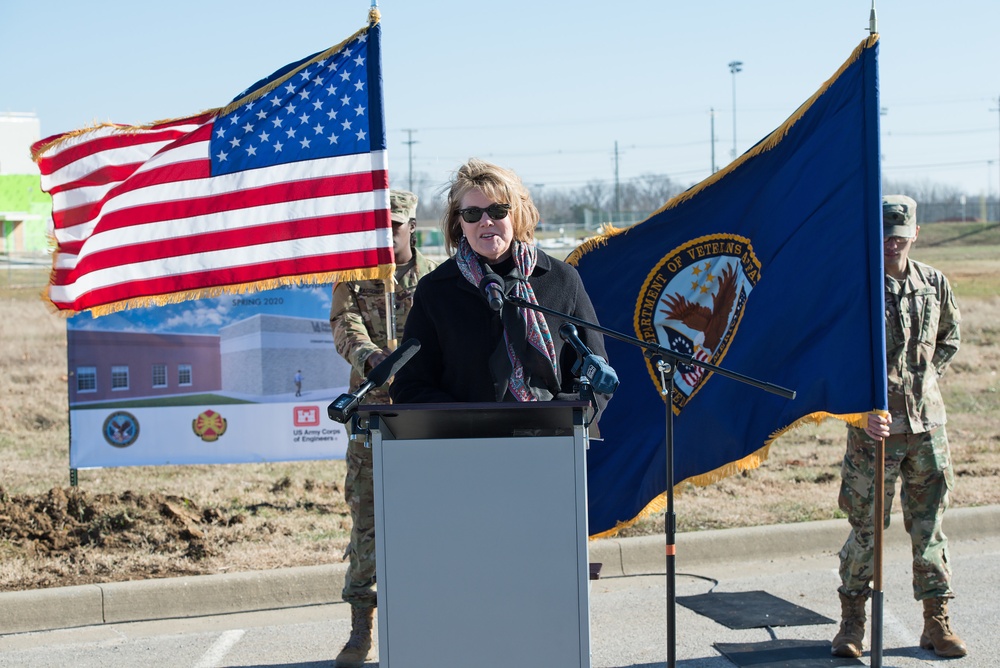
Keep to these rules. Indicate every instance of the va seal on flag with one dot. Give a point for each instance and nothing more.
(121, 429)
(209, 426)
(692, 302)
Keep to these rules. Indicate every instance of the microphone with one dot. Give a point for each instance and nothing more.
(600, 374)
(492, 288)
(347, 404)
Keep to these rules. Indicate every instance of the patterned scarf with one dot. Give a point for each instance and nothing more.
(527, 351)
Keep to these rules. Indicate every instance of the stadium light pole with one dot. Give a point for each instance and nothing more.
(734, 67)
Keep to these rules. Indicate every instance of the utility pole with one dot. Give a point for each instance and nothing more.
(618, 190)
(409, 146)
(711, 113)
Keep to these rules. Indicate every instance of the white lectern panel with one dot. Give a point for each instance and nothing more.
(482, 551)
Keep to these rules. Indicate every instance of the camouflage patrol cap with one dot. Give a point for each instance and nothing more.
(899, 216)
(403, 205)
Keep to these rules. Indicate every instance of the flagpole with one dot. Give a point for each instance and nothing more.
(879, 506)
(879, 512)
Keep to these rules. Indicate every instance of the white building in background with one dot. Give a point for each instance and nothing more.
(18, 131)
(261, 354)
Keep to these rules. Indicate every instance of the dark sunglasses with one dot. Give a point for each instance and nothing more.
(474, 214)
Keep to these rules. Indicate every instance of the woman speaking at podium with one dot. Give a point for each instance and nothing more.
(475, 345)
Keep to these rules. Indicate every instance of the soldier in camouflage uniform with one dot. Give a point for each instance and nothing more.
(359, 323)
(921, 331)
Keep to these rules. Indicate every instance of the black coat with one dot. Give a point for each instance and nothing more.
(458, 333)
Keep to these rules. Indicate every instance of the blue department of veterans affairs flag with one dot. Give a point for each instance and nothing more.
(771, 269)
(286, 184)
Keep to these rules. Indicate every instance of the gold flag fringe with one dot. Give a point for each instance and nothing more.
(768, 143)
(381, 272)
(751, 461)
(40, 149)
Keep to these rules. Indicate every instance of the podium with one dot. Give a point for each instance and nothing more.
(481, 534)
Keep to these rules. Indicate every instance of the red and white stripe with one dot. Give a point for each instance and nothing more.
(137, 215)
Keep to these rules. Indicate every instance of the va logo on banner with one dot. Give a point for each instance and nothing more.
(692, 302)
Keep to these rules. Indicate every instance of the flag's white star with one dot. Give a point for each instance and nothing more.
(220, 133)
(304, 118)
(360, 61)
(276, 121)
(277, 146)
(318, 105)
(346, 100)
(264, 136)
(331, 114)
(361, 135)
(290, 88)
(275, 101)
(333, 138)
(234, 142)
(318, 128)
(346, 125)
(251, 150)
(305, 143)
(222, 156)
(359, 85)
(248, 128)
(290, 132)
(345, 76)
(359, 110)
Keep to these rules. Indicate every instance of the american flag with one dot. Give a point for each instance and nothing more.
(288, 183)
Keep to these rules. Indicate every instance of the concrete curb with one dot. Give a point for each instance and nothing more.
(195, 596)
(645, 554)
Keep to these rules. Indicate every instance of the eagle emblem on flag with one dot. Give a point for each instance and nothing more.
(692, 303)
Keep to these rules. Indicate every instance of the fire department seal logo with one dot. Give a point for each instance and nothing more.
(209, 426)
(121, 429)
(692, 302)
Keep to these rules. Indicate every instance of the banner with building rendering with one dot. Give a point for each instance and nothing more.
(230, 379)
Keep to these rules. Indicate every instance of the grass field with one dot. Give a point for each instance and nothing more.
(142, 522)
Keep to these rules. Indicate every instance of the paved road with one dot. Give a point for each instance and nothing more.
(796, 563)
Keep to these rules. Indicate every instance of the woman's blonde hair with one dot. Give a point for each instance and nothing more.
(500, 185)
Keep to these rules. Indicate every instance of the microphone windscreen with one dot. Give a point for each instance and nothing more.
(388, 367)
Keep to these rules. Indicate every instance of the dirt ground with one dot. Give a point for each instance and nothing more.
(154, 522)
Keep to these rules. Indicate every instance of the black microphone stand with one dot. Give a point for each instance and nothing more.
(655, 351)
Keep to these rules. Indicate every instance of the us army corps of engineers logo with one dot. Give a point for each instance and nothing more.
(692, 302)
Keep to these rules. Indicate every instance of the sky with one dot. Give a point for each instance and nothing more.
(209, 315)
(545, 88)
